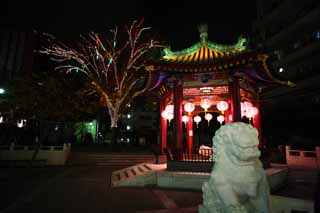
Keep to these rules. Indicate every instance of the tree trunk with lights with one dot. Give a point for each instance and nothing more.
(114, 68)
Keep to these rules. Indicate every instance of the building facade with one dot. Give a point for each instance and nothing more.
(289, 31)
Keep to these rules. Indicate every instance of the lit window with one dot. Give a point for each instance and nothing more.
(128, 127)
(281, 69)
(316, 34)
(128, 116)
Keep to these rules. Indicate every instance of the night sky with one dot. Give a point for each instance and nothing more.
(174, 21)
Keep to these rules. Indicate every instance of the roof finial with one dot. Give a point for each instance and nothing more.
(203, 30)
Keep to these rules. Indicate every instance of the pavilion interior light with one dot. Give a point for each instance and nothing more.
(206, 89)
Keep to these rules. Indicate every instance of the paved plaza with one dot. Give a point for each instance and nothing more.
(84, 185)
(85, 189)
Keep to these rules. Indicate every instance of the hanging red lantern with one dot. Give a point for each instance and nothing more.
(251, 112)
(208, 117)
(185, 119)
(197, 119)
(222, 106)
(170, 108)
(170, 117)
(247, 105)
(189, 107)
(205, 104)
(220, 118)
(164, 114)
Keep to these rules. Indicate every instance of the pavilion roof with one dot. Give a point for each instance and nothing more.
(206, 56)
(204, 52)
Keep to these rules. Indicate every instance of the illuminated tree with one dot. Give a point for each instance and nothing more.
(113, 63)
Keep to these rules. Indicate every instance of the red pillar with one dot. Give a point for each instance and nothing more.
(177, 120)
(234, 94)
(226, 116)
(163, 128)
(257, 125)
(190, 135)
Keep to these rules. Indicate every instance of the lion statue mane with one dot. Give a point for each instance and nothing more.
(238, 182)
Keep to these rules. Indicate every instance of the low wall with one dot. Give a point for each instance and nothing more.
(308, 159)
(289, 205)
(193, 180)
(52, 155)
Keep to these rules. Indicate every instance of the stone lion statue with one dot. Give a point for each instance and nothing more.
(238, 182)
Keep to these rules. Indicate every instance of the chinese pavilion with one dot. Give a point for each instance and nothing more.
(208, 77)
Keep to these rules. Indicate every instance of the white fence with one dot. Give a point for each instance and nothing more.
(52, 155)
(309, 159)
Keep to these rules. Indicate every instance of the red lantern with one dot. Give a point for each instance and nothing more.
(247, 105)
(164, 114)
(208, 117)
(251, 112)
(185, 119)
(220, 118)
(197, 119)
(169, 108)
(189, 107)
(222, 106)
(205, 103)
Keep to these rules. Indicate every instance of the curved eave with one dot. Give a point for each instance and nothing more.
(251, 64)
(264, 74)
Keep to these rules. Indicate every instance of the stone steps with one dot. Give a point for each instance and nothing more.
(125, 174)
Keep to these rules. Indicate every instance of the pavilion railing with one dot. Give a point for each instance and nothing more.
(194, 155)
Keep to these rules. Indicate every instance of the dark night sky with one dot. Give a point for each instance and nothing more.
(175, 21)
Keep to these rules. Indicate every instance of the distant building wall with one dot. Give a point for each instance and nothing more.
(16, 54)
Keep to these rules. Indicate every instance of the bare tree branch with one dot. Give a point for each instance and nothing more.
(113, 63)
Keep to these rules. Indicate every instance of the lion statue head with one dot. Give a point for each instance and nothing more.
(236, 141)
